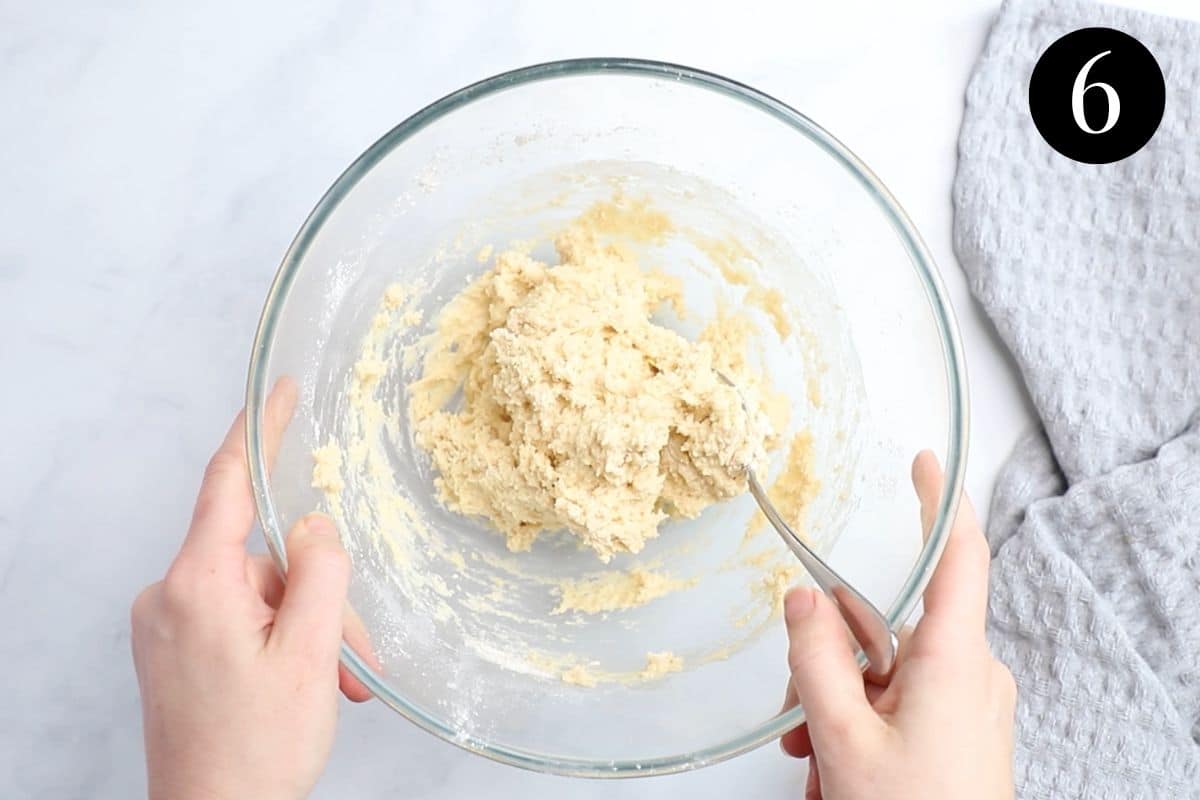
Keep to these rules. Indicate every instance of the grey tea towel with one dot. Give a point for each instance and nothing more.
(1091, 274)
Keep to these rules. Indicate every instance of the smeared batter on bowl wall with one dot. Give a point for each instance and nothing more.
(569, 393)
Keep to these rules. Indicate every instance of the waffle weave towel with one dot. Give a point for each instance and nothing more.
(1091, 274)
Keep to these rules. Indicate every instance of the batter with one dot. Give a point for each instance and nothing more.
(578, 411)
(614, 591)
(549, 397)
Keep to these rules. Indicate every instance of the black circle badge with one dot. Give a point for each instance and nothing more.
(1097, 95)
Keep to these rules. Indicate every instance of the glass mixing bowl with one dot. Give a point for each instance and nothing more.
(873, 370)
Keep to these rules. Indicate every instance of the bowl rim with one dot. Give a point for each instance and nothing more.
(923, 264)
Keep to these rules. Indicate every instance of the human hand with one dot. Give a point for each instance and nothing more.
(238, 673)
(942, 729)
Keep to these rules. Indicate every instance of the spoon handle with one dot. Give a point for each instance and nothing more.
(868, 625)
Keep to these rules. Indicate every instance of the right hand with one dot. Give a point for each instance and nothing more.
(942, 729)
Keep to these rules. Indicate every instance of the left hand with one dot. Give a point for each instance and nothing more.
(239, 673)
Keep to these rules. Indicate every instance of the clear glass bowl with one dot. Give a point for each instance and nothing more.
(878, 375)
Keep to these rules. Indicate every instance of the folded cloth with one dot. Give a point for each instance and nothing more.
(1091, 274)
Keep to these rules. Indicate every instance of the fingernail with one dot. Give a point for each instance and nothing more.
(800, 602)
(320, 525)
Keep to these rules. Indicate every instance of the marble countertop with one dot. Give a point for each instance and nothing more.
(155, 161)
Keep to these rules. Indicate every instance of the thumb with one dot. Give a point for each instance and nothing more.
(825, 674)
(310, 614)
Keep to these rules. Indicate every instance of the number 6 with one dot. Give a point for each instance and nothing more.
(1081, 88)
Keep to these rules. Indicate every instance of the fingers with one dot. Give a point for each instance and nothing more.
(314, 598)
(224, 512)
(812, 785)
(264, 579)
(927, 480)
(825, 674)
(903, 643)
(355, 635)
(277, 413)
(352, 688)
(956, 597)
(1004, 687)
(262, 575)
(795, 742)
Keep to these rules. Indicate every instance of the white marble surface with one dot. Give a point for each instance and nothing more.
(155, 161)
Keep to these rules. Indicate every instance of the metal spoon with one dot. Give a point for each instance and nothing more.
(866, 623)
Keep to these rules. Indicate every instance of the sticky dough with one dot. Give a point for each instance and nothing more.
(578, 411)
(475, 397)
